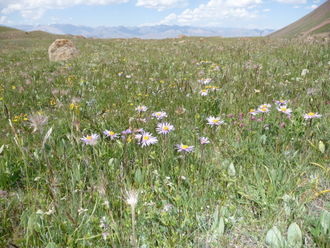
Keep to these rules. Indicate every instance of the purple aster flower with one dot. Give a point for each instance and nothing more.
(214, 121)
(159, 115)
(312, 115)
(281, 102)
(126, 132)
(141, 108)
(284, 110)
(110, 134)
(90, 139)
(164, 128)
(184, 148)
(146, 139)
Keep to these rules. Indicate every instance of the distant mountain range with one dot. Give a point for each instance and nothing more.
(144, 32)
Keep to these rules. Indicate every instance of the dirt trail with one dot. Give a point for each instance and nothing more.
(316, 27)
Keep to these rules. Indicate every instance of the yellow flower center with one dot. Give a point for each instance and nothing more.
(252, 110)
(283, 109)
(89, 137)
(215, 121)
(158, 114)
(311, 113)
(204, 90)
(263, 109)
(145, 137)
(165, 128)
(184, 146)
(111, 133)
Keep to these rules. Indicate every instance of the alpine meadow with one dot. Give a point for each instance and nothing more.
(183, 142)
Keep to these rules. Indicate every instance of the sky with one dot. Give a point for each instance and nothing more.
(273, 14)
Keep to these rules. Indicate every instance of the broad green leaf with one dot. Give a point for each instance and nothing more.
(138, 176)
(221, 227)
(274, 238)
(51, 245)
(321, 146)
(231, 170)
(294, 236)
(215, 218)
(325, 221)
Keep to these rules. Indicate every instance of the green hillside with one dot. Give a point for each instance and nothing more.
(315, 22)
(7, 29)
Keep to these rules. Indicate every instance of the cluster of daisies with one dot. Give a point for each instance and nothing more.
(144, 138)
(207, 88)
(281, 106)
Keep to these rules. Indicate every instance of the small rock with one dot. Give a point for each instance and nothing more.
(62, 49)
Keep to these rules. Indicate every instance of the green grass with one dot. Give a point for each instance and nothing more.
(6, 29)
(56, 192)
(323, 29)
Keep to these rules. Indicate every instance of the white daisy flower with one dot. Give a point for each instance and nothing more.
(281, 102)
(110, 134)
(90, 139)
(146, 139)
(164, 128)
(263, 110)
(253, 112)
(159, 115)
(312, 115)
(214, 121)
(265, 105)
(204, 92)
(184, 148)
(141, 108)
(284, 110)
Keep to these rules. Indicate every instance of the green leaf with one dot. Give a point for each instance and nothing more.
(294, 236)
(51, 245)
(218, 227)
(231, 170)
(321, 146)
(263, 139)
(274, 238)
(215, 218)
(221, 227)
(1, 148)
(325, 221)
(138, 176)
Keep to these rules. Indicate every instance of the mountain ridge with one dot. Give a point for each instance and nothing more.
(144, 32)
(318, 21)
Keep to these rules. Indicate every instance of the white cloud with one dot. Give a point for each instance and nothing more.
(215, 11)
(292, 1)
(36, 8)
(314, 6)
(161, 4)
(3, 20)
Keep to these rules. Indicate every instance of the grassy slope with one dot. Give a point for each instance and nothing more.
(306, 23)
(323, 29)
(7, 29)
(57, 196)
